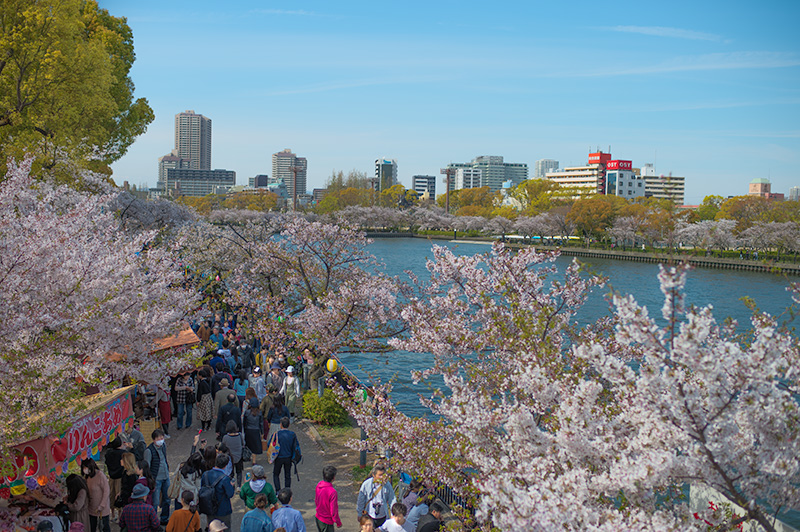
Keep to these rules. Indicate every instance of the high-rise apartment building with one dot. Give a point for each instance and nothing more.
(385, 173)
(424, 183)
(543, 166)
(283, 164)
(193, 139)
(494, 171)
(794, 194)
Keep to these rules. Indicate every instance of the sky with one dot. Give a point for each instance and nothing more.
(706, 90)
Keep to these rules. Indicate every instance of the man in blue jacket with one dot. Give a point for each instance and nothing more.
(223, 485)
(287, 441)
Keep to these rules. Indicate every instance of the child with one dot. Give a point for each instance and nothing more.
(395, 524)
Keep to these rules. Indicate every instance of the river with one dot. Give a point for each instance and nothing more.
(721, 288)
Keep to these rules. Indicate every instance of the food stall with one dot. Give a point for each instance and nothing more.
(32, 481)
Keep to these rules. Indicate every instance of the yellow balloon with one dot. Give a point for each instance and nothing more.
(332, 365)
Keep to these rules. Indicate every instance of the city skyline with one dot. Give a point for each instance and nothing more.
(710, 92)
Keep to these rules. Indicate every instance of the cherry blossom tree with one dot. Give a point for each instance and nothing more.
(625, 230)
(542, 425)
(708, 234)
(305, 284)
(82, 303)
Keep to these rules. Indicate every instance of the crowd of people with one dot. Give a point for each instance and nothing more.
(251, 412)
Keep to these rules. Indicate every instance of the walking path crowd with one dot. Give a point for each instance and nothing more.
(211, 473)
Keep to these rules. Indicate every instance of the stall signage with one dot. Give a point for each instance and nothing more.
(85, 437)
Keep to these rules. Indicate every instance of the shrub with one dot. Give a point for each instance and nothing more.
(325, 409)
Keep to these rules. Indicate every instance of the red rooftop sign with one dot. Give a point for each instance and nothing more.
(619, 165)
(599, 157)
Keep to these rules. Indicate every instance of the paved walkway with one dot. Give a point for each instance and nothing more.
(310, 471)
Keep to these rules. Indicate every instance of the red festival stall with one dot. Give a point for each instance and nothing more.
(32, 476)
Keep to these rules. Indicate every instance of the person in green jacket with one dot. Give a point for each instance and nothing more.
(258, 484)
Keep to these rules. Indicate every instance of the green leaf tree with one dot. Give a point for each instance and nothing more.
(65, 92)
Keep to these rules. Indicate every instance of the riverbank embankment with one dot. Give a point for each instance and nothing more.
(635, 256)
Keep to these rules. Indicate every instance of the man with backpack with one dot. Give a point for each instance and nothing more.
(216, 490)
(288, 453)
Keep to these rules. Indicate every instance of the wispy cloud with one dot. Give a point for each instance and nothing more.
(350, 84)
(705, 62)
(289, 12)
(706, 105)
(662, 31)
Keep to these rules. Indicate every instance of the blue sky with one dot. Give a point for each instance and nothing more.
(707, 90)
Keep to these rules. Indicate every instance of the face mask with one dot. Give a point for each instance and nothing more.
(159, 443)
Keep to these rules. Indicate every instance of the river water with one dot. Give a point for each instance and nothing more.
(721, 288)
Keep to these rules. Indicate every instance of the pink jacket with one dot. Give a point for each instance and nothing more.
(99, 505)
(327, 501)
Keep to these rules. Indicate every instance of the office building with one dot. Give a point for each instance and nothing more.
(424, 183)
(258, 181)
(665, 187)
(385, 173)
(794, 194)
(601, 175)
(622, 181)
(467, 178)
(191, 182)
(193, 139)
(318, 194)
(494, 171)
(543, 166)
(760, 186)
(283, 164)
(581, 180)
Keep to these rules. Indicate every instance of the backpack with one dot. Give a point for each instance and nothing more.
(138, 450)
(297, 456)
(207, 502)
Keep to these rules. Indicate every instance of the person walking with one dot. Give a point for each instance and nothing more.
(277, 412)
(286, 516)
(78, 500)
(235, 442)
(257, 519)
(115, 469)
(398, 519)
(138, 516)
(185, 398)
(229, 412)
(432, 521)
(186, 519)
(257, 485)
(253, 425)
(287, 441)
(376, 496)
(326, 500)
(156, 457)
(99, 490)
(223, 489)
(205, 402)
(190, 473)
(291, 390)
(130, 475)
